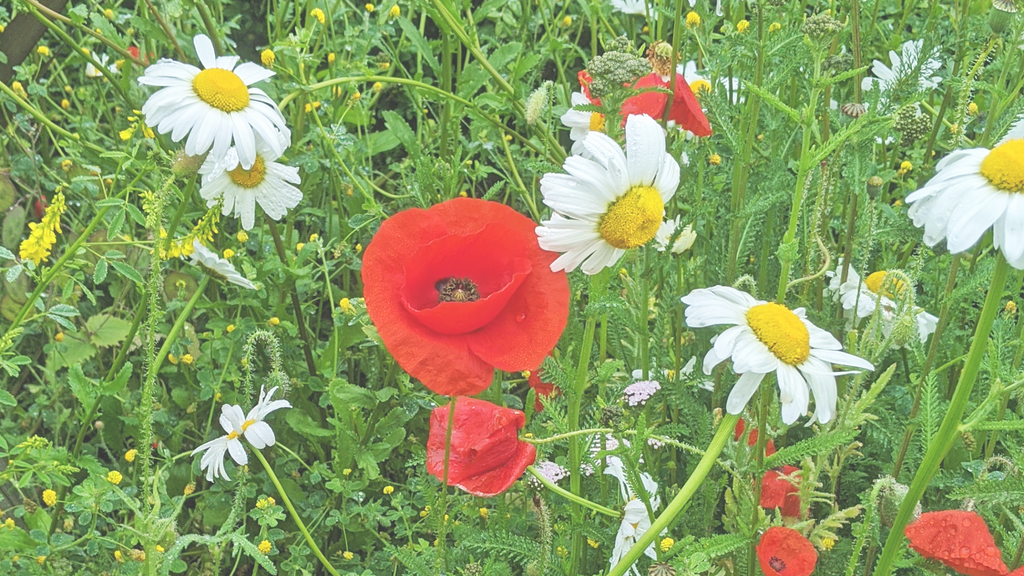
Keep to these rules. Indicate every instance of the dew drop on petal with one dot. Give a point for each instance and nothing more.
(521, 317)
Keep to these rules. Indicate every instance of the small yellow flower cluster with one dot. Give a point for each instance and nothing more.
(346, 306)
(395, 11)
(567, 21)
(1011, 308)
(348, 555)
(742, 26)
(19, 89)
(264, 503)
(484, 513)
(114, 477)
(593, 543)
(905, 167)
(714, 159)
(229, 253)
(827, 543)
(274, 321)
(667, 544)
(692, 19)
(49, 497)
(377, 86)
(389, 490)
(118, 556)
(203, 231)
(187, 359)
(267, 57)
(774, 27)
(318, 14)
(189, 489)
(43, 51)
(264, 547)
(44, 234)
(130, 455)
(370, 7)
(972, 109)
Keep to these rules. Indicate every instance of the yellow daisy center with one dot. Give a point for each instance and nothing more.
(699, 86)
(245, 426)
(875, 281)
(597, 122)
(633, 219)
(782, 331)
(222, 89)
(249, 178)
(1004, 166)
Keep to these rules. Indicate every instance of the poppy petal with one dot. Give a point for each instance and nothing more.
(785, 552)
(958, 539)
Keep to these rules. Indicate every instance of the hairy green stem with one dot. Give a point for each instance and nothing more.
(949, 428)
(570, 496)
(575, 447)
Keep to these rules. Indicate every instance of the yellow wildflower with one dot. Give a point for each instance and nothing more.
(59, 336)
(370, 7)
(230, 328)
(395, 11)
(267, 57)
(827, 543)
(40, 560)
(389, 490)
(593, 543)
(972, 109)
(118, 556)
(692, 19)
(65, 103)
(330, 58)
(19, 89)
(131, 454)
(906, 166)
(43, 235)
(274, 321)
(189, 489)
(1011, 308)
(318, 14)
(714, 160)
(49, 497)
(561, 551)
(774, 27)
(346, 471)
(127, 133)
(66, 164)
(43, 51)
(228, 252)
(264, 547)
(187, 359)
(109, 14)
(346, 306)
(313, 237)
(484, 512)
(742, 26)
(348, 555)
(567, 21)
(377, 86)
(9, 523)
(114, 477)
(356, 95)
(159, 548)
(298, 247)
(242, 236)
(667, 544)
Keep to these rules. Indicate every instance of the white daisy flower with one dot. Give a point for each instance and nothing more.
(635, 520)
(581, 123)
(215, 106)
(683, 241)
(237, 424)
(972, 191)
(886, 77)
(217, 267)
(266, 183)
(630, 6)
(768, 337)
(860, 299)
(92, 72)
(609, 201)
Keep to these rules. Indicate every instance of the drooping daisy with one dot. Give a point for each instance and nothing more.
(683, 239)
(635, 520)
(92, 72)
(609, 201)
(238, 424)
(768, 337)
(266, 183)
(581, 123)
(215, 106)
(217, 267)
(861, 298)
(886, 77)
(974, 190)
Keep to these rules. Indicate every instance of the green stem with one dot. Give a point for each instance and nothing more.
(39, 116)
(295, 515)
(575, 449)
(569, 495)
(296, 304)
(558, 437)
(675, 507)
(443, 504)
(949, 428)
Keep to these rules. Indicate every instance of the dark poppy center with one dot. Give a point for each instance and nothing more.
(457, 290)
(777, 564)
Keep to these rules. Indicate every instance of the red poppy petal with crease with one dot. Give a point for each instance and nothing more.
(741, 425)
(778, 493)
(785, 552)
(464, 363)
(958, 539)
(486, 456)
(650, 103)
(542, 388)
(686, 110)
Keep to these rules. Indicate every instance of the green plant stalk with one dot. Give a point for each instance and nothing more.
(146, 403)
(933, 349)
(949, 428)
(798, 198)
(296, 304)
(570, 496)
(575, 449)
(573, 434)
(443, 505)
(295, 515)
(675, 507)
(39, 116)
(994, 435)
(765, 396)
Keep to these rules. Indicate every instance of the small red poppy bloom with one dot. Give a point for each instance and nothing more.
(585, 81)
(685, 111)
(460, 289)
(785, 552)
(958, 539)
(486, 455)
(778, 493)
(741, 425)
(542, 388)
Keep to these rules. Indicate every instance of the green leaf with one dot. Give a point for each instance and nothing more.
(6, 254)
(345, 396)
(82, 387)
(63, 322)
(420, 43)
(7, 399)
(400, 128)
(119, 381)
(100, 273)
(303, 424)
(106, 330)
(64, 310)
(127, 271)
(116, 223)
(14, 272)
(254, 552)
(773, 100)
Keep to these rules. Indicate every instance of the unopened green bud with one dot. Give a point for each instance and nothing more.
(185, 166)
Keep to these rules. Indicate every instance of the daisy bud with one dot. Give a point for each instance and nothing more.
(184, 166)
(537, 103)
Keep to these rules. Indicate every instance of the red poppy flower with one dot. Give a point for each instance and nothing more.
(685, 111)
(463, 288)
(1017, 572)
(958, 539)
(585, 81)
(542, 388)
(778, 493)
(785, 552)
(486, 455)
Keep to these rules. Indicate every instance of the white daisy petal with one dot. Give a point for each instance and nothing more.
(742, 391)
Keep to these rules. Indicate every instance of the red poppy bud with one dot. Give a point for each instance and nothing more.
(486, 455)
(741, 425)
(785, 552)
(958, 539)
(779, 493)
(685, 111)
(463, 288)
(542, 388)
